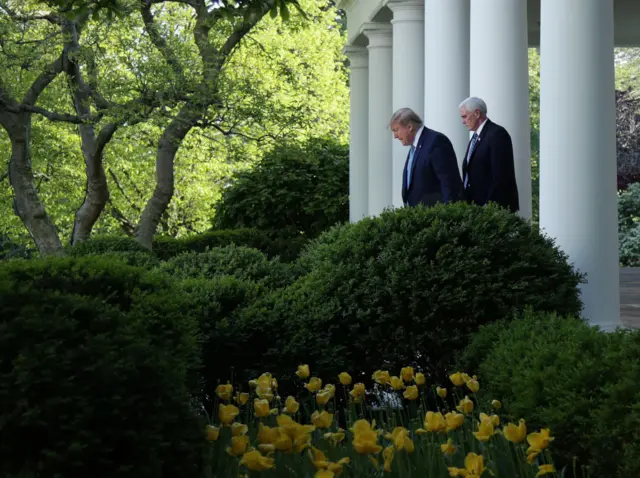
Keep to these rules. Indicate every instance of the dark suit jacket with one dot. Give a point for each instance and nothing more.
(435, 176)
(491, 170)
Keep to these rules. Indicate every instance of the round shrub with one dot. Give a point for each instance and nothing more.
(224, 347)
(87, 390)
(302, 189)
(94, 275)
(241, 262)
(102, 244)
(409, 287)
(563, 374)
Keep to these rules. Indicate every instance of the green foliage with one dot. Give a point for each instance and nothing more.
(90, 383)
(562, 374)
(215, 303)
(269, 242)
(628, 226)
(242, 262)
(287, 80)
(11, 250)
(299, 188)
(408, 287)
(102, 244)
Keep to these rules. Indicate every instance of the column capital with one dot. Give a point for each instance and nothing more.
(358, 56)
(407, 11)
(380, 35)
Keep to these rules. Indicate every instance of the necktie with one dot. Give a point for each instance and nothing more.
(474, 140)
(410, 164)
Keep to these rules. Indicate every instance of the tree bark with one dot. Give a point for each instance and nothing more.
(96, 192)
(16, 120)
(26, 202)
(168, 146)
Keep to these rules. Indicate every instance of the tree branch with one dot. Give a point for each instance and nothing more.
(158, 41)
(43, 80)
(27, 18)
(124, 193)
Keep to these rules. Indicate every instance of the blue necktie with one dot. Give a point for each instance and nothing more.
(474, 140)
(410, 164)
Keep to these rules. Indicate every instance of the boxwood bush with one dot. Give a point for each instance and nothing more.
(298, 188)
(238, 261)
(563, 374)
(91, 384)
(409, 287)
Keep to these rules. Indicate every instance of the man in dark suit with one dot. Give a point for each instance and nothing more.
(488, 172)
(431, 172)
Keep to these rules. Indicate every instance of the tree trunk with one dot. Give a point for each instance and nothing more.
(26, 202)
(96, 190)
(168, 146)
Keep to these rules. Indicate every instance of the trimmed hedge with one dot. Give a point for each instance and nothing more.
(408, 287)
(299, 188)
(241, 262)
(272, 243)
(563, 374)
(92, 381)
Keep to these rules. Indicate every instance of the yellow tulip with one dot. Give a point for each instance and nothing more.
(303, 371)
(442, 392)
(323, 396)
(291, 406)
(515, 433)
(407, 374)
(265, 393)
(538, 441)
(314, 384)
(435, 422)
(261, 408)
(495, 419)
(224, 391)
(322, 419)
(454, 420)
(396, 383)
(227, 413)
(381, 377)
(411, 393)
(212, 433)
(448, 448)
(474, 464)
(485, 430)
(457, 379)
(400, 438)
(345, 378)
(388, 454)
(496, 404)
(358, 392)
(473, 385)
(324, 474)
(420, 380)
(238, 445)
(544, 469)
(241, 398)
(335, 437)
(465, 406)
(256, 462)
(365, 438)
(238, 429)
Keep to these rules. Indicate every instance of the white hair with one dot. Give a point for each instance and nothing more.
(472, 103)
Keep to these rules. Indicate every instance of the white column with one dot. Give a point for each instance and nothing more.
(408, 75)
(578, 147)
(380, 111)
(447, 69)
(500, 76)
(359, 132)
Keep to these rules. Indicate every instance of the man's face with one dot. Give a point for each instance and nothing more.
(471, 119)
(406, 134)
